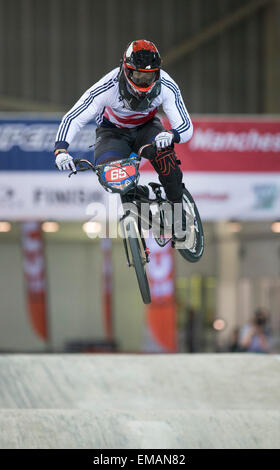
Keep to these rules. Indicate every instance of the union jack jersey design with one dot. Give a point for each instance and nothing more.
(103, 101)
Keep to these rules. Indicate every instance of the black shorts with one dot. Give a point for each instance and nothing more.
(113, 143)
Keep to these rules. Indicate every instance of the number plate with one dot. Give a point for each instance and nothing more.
(118, 175)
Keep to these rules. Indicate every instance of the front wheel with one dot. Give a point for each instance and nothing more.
(138, 262)
(195, 251)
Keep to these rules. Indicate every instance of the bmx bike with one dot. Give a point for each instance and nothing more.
(142, 213)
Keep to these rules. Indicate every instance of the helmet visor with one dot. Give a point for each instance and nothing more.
(142, 79)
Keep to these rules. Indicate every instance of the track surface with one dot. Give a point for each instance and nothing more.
(200, 401)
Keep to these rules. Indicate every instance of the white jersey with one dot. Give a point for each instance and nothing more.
(103, 100)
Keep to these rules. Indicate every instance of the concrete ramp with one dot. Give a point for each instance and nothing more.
(202, 401)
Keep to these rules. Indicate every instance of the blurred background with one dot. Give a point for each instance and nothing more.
(62, 287)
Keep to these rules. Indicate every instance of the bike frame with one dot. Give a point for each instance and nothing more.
(133, 214)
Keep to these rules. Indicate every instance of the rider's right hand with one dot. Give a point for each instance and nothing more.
(64, 161)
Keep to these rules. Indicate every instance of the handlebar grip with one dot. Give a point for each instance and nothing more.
(152, 144)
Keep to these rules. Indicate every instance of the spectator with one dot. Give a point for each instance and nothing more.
(255, 337)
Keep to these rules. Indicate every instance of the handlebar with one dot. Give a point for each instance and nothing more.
(152, 144)
(81, 162)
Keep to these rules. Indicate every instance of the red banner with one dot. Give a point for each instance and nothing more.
(106, 246)
(229, 144)
(161, 312)
(35, 277)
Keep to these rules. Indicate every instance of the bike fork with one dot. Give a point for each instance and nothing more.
(124, 239)
(146, 249)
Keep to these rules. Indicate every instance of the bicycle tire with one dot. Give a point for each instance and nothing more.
(139, 267)
(195, 254)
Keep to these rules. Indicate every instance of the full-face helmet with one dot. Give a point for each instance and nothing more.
(139, 78)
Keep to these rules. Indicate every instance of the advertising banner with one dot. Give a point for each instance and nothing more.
(47, 195)
(35, 277)
(222, 196)
(27, 144)
(232, 145)
(231, 166)
(107, 294)
(161, 328)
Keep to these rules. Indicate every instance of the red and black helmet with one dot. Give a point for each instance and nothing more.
(139, 79)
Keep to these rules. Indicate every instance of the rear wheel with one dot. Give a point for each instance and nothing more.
(139, 261)
(195, 251)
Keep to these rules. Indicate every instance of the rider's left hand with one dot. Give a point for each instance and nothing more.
(164, 139)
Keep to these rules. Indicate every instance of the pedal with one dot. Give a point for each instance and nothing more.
(179, 239)
(186, 242)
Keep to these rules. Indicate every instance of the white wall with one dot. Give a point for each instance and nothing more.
(128, 306)
(74, 278)
(74, 266)
(74, 285)
(260, 258)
